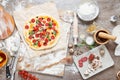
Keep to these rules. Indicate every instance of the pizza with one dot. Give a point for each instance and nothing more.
(41, 32)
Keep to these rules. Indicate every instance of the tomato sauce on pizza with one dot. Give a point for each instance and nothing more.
(41, 32)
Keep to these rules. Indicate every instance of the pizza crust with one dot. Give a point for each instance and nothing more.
(50, 45)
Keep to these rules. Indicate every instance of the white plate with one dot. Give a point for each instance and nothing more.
(86, 7)
(116, 32)
(117, 50)
(107, 61)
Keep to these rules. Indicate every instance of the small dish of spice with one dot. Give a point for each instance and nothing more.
(3, 59)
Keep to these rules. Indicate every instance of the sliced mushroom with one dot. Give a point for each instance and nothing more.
(102, 52)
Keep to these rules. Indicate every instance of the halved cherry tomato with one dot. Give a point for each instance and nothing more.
(39, 24)
(44, 22)
(48, 19)
(52, 37)
(45, 44)
(46, 40)
(32, 20)
(36, 35)
(30, 37)
(47, 24)
(26, 27)
(40, 19)
(34, 41)
(36, 29)
(39, 44)
(54, 24)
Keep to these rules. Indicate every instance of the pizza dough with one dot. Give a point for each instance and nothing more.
(41, 32)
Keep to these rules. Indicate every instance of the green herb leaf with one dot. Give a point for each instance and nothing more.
(54, 32)
(50, 24)
(31, 32)
(36, 43)
(37, 21)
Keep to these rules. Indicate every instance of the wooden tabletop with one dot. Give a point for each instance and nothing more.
(107, 9)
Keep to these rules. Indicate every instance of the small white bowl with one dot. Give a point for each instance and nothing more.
(88, 10)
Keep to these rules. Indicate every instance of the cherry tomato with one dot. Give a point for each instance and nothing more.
(52, 37)
(30, 37)
(48, 19)
(26, 27)
(34, 41)
(54, 24)
(39, 24)
(47, 24)
(32, 20)
(36, 28)
(44, 22)
(36, 35)
(39, 44)
(40, 19)
(46, 40)
(45, 44)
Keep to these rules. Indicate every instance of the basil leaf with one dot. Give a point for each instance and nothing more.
(50, 24)
(54, 32)
(31, 32)
(37, 21)
(36, 43)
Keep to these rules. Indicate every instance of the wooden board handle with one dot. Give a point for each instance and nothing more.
(106, 36)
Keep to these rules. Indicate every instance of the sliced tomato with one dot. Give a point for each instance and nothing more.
(80, 61)
(80, 64)
(84, 59)
(33, 20)
(52, 37)
(48, 19)
(91, 57)
(26, 27)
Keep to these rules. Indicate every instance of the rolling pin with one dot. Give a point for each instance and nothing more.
(106, 36)
(75, 29)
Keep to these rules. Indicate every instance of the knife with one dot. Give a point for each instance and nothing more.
(8, 74)
(75, 29)
(16, 55)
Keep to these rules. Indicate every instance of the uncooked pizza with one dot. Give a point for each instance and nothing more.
(41, 32)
